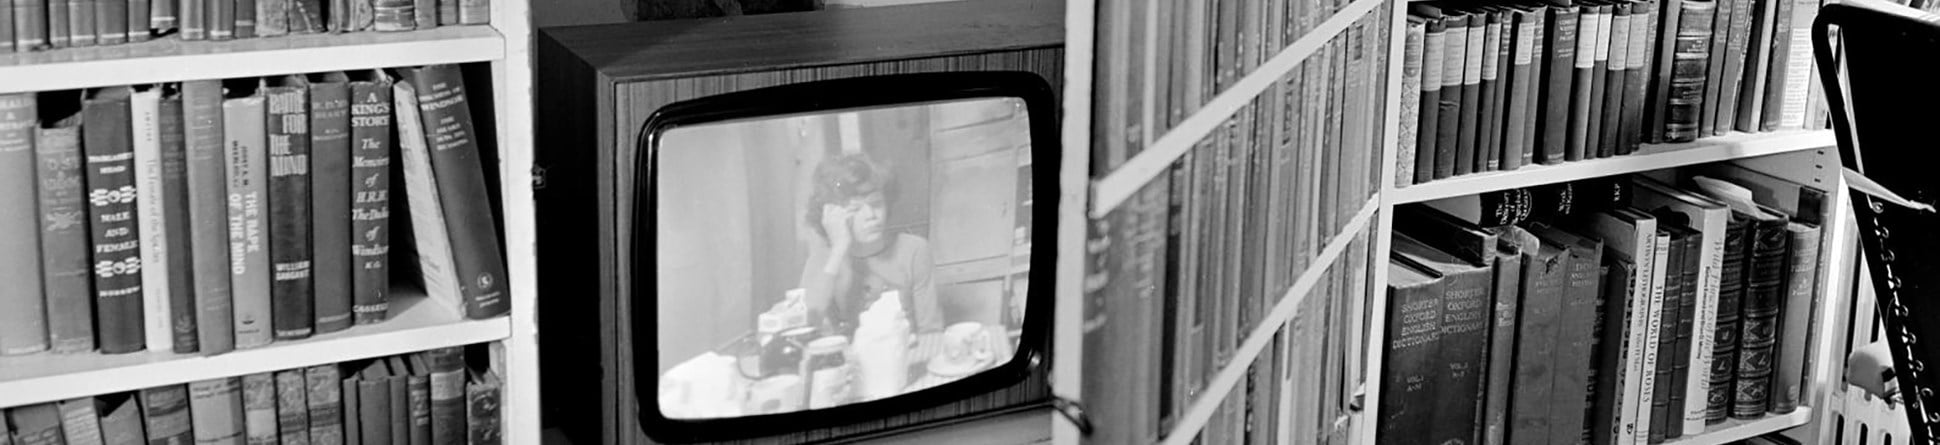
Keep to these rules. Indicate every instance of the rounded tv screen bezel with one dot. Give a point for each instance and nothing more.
(1032, 355)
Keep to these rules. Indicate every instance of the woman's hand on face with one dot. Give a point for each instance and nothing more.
(835, 221)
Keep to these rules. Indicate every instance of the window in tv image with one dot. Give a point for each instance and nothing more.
(818, 260)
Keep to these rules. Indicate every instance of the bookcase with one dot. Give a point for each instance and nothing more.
(497, 54)
(1130, 152)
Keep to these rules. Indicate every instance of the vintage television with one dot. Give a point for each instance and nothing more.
(817, 228)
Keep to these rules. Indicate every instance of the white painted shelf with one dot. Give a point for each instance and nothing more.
(416, 323)
(171, 59)
(1201, 409)
(1735, 430)
(1650, 157)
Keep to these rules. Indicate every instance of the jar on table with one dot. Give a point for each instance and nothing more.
(827, 371)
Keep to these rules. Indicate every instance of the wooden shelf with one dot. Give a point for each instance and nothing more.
(1201, 409)
(1128, 178)
(1735, 430)
(1651, 157)
(417, 323)
(171, 59)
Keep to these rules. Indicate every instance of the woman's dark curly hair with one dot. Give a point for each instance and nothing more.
(839, 178)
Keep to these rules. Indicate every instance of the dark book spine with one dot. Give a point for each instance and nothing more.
(370, 135)
(1718, 34)
(1583, 82)
(246, 11)
(1690, 60)
(60, 33)
(1466, 316)
(420, 405)
(1724, 340)
(1489, 132)
(165, 412)
(1778, 82)
(208, 215)
(108, 144)
(1637, 70)
(1686, 322)
(1660, 399)
(447, 396)
(1433, 46)
(482, 412)
(1449, 115)
(1545, 275)
(1469, 130)
(1558, 74)
(1610, 130)
(1764, 300)
(1737, 48)
(1518, 35)
(1599, 83)
(1533, 100)
(1575, 343)
(292, 298)
(454, 146)
(292, 407)
(23, 325)
(1410, 367)
(1796, 318)
(1616, 308)
(1502, 349)
(64, 236)
(330, 188)
(175, 222)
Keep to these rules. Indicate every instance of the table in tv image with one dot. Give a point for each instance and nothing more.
(795, 252)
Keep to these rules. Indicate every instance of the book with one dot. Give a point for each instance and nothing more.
(1467, 155)
(216, 411)
(482, 408)
(195, 19)
(66, 273)
(1708, 217)
(330, 188)
(246, 151)
(183, 320)
(1609, 131)
(1467, 315)
(60, 24)
(37, 424)
(370, 134)
(307, 17)
(80, 425)
(116, 235)
(208, 214)
(1686, 94)
(1433, 50)
(292, 261)
(1409, 122)
(23, 326)
(394, 15)
(80, 20)
(454, 146)
(325, 398)
(144, 114)
(1560, 58)
(1414, 327)
(447, 376)
(1629, 238)
(292, 407)
(165, 413)
(261, 424)
(121, 422)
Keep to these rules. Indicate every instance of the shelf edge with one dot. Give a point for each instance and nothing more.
(1653, 157)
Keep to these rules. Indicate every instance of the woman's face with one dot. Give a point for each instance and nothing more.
(869, 214)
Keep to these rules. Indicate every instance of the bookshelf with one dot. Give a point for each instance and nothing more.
(1798, 155)
(416, 323)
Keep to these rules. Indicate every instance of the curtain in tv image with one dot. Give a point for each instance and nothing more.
(740, 331)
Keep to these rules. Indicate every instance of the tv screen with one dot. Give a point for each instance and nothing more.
(854, 248)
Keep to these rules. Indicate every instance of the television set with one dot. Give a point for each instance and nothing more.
(839, 251)
(627, 107)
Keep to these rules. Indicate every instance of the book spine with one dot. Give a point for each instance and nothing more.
(60, 32)
(145, 119)
(1502, 349)
(120, 419)
(399, 424)
(165, 413)
(195, 19)
(1690, 308)
(222, 19)
(1639, 58)
(208, 214)
(110, 22)
(7, 26)
(23, 325)
(430, 245)
(1575, 346)
(1612, 377)
(1518, 149)
(259, 399)
(292, 298)
(482, 413)
(473, 12)
(1768, 94)
(161, 15)
(246, 17)
(174, 199)
(447, 396)
(1470, 114)
(64, 236)
(116, 235)
(1533, 122)
(363, 15)
(1561, 59)
(420, 403)
(1764, 300)
(1434, 46)
(1410, 119)
(1796, 318)
(1610, 130)
(306, 17)
(1414, 327)
(1704, 322)
(370, 134)
(30, 24)
(1489, 130)
(454, 147)
(330, 159)
(245, 146)
(80, 19)
(394, 15)
(1690, 61)
(1671, 307)
(1724, 353)
(216, 411)
(79, 423)
(1583, 82)
(325, 401)
(1799, 78)
(1744, 14)
(1449, 112)
(137, 20)
(1466, 316)
(292, 407)
(1546, 274)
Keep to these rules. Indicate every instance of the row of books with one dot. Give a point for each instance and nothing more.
(1505, 84)
(1212, 245)
(207, 216)
(1624, 310)
(431, 397)
(32, 25)
(1280, 393)
(1184, 54)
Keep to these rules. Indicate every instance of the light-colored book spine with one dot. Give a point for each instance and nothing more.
(79, 422)
(1653, 334)
(245, 146)
(427, 213)
(1705, 324)
(216, 411)
(1633, 404)
(145, 111)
